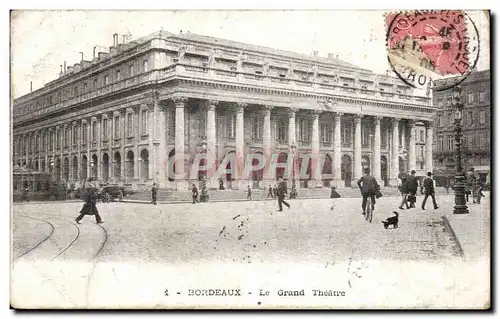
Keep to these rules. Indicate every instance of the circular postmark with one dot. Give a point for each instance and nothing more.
(430, 45)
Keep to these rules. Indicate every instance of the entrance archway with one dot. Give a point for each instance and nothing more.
(66, 169)
(257, 175)
(117, 159)
(94, 164)
(327, 171)
(105, 167)
(280, 171)
(365, 163)
(75, 167)
(58, 170)
(346, 170)
(84, 169)
(144, 165)
(402, 166)
(383, 170)
(129, 167)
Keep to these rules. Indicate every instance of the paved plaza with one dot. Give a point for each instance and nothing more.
(189, 244)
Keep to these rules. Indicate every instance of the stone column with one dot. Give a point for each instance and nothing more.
(376, 152)
(211, 141)
(292, 127)
(160, 147)
(151, 150)
(428, 148)
(266, 146)
(240, 144)
(315, 162)
(89, 158)
(137, 138)
(179, 143)
(395, 152)
(412, 159)
(98, 141)
(337, 152)
(358, 172)
(403, 135)
(123, 138)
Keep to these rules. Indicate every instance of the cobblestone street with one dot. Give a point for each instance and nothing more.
(245, 237)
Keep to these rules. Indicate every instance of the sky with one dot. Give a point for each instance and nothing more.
(42, 40)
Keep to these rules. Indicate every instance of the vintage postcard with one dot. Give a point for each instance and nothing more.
(250, 159)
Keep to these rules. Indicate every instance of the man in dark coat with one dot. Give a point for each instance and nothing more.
(404, 192)
(90, 207)
(154, 193)
(429, 191)
(368, 186)
(281, 192)
(412, 185)
(194, 192)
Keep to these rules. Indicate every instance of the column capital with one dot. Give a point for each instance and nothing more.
(412, 123)
(395, 121)
(338, 115)
(179, 101)
(357, 118)
(429, 124)
(211, 104)
(377, 119)
(268, 108)
(240, 106)
(317, 112)
(291, 111)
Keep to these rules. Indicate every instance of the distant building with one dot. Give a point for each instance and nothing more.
(476, 127)
(120, 117)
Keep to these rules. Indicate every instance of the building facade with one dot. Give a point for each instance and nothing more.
(121, 116)
(476, 127)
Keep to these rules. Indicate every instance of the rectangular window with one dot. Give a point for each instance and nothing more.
(325, 133)
(94, 131)
(231, 126)
(84, 133)
(118, 75)
(106, 79)
(131, 70)
(482, 96)
(257, 128)
(482, 141)
(66, 137)
(422, 151)
(58, 141)
(37, 143)
(75, 135)
(85, 87)
(96, 83)
(471, 119)
(441, 143)
(346, 133)
(482, 117)
(145, 65)
(470, 97)
(450, 143)
(105, 129)
(304, 130)
(144, 121)
(117, 127)
(75, 91)
(422, 137)
(130, 124)
(282, 131)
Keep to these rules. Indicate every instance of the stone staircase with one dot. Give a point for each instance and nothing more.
(257, 194)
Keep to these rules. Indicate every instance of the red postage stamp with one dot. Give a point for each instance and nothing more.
(428, 45)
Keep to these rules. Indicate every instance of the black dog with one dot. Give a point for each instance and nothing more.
(391, 221)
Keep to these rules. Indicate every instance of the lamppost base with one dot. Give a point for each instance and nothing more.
(460, 209)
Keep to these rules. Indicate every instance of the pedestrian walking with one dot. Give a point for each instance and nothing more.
(270, 192)
(480, 193)
(281, 192)
(90, 205)
(26, 194)
(194, 193)
(404, 192)
(429, 190)
(154, 194)
(447, 185)
(412, 186)
(249, 193)
(333, 195)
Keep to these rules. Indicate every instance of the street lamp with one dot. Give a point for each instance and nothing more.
(460, 203)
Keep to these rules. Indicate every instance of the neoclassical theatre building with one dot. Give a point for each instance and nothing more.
(121, 116)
